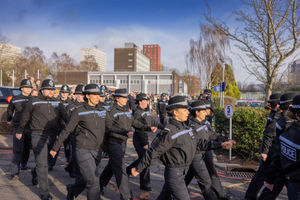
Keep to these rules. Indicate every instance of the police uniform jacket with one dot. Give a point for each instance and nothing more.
(119, 122)
(88, 124)
(201, 129)
(45, 115)
(175, 146)
(72, 106)
(16, 107)
(162, 107)
(290, 151)
(269, 134)
(141, 133)
(213, 135)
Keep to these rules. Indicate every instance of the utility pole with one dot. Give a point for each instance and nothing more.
(1, 77)
(222, 92)
(13, 78)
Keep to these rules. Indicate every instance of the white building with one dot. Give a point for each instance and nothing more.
(147, 82)
(100, 57)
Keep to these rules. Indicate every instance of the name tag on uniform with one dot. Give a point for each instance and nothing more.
(288, 151)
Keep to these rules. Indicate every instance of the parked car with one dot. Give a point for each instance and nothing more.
(7, 93)
(250, 103)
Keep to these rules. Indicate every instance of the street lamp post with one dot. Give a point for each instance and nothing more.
(222, 92)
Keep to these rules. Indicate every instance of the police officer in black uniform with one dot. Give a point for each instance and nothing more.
(140, 136)
(21, 148)
(72, 168)
(88, 122)
(65, 101)
(265, 150)
(290, 149)
(274, 175)
(162, 108)
(45, 119)
(119, 122)
(209, 155)
(175, 146)
(198, 167)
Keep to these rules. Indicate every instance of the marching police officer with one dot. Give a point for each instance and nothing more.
(65, 101)
(119, 122)
(72, 168)
(198, 167)
(140, 136)
(175, 146)
(290, 142)
(265, 150)
(162, 108)
(21, 148)
(88, 122)
(43, 114)
(209, 155)
(274, 175)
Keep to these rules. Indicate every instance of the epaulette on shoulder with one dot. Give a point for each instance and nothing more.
(167, 129)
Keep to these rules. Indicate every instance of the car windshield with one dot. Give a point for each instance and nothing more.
(16, 92)
(257, 104)
(243, 104)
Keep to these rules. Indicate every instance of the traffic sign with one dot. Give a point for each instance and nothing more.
(217, 88)
(228, 111)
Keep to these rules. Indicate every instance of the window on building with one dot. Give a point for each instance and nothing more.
(130, 60)
(130, 54)
(129, 66)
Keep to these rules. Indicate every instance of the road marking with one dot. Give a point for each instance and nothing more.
(236, 184)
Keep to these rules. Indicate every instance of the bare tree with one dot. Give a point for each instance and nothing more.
(206, 52)
(62, 62)
(32, 60)
(268, 36)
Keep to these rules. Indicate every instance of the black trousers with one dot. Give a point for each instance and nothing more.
(199, 171)
(72, 166)
(174, 187)
(279, 183)
(145, 174)
(40, 144)
(216, 183)
(21, 151)
(257, 181)
(89, 162)
(51, 160)
(116, 166)
(293, 188)
(68, 148)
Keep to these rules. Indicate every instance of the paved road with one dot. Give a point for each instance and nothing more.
(58, 179)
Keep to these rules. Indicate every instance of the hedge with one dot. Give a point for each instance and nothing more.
(248, 125)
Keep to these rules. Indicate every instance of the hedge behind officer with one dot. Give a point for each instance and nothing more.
(88, 122)
(42, 114)
(21, 148)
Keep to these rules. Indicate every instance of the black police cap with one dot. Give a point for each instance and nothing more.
(121, 93)
(141, 96)
(79, 89)
(177, 102)
(91, 89)
(287, 98)
(48, 84)
(65, 88)
(207, 91)
(25, 83)
(274, 98)
(296, 104)
(198, 105)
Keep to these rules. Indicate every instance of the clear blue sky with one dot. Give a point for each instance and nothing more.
(67, 26)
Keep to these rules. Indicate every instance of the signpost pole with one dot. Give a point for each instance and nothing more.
(230, 136)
